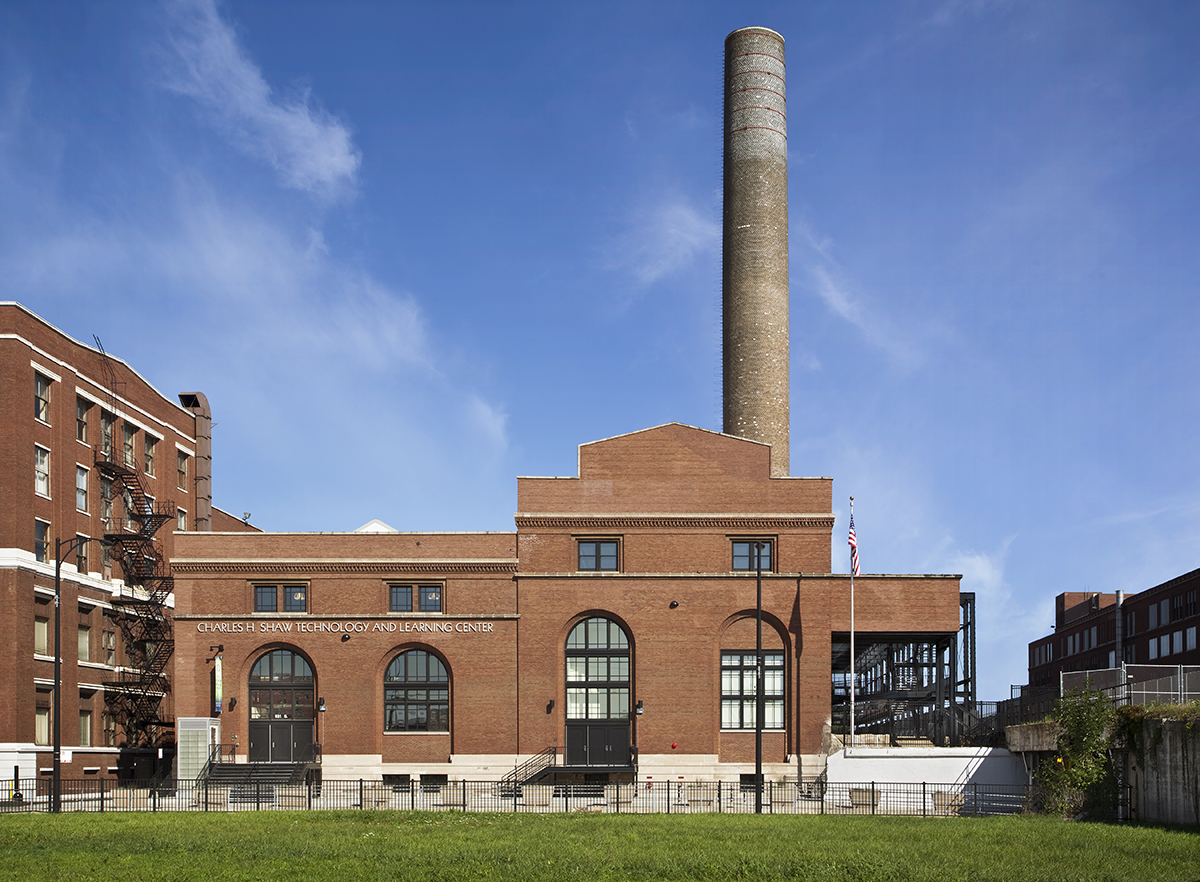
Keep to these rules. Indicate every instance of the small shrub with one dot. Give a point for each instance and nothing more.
(1079, 781)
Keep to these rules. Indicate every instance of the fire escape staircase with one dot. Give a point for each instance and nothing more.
(137, 694)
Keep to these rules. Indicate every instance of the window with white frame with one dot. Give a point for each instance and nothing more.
(85, 643)
(181, 470)
(81, 553)
(109, 645)
(41, 397)
(109, 722)
(739, 690)
(41, 726)
(107, 422)
(148, 447)
(41, 541)
(41, 471)
(180, 520)
(106, 500)
(129, 447)
(85, 728)
(41, 635)
(82, 406)
(81, 488)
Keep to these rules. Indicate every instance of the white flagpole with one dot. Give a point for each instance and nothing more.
(852, 631)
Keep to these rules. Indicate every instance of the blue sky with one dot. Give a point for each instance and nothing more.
(413, 250)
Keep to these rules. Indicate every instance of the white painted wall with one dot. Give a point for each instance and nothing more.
(933, 765)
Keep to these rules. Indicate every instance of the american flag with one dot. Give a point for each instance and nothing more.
(853, 548)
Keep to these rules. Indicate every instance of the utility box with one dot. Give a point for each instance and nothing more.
(198, 736)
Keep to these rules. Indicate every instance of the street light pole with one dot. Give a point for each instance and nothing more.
(759, 703)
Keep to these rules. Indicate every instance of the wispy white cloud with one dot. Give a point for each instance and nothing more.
(309, 149)
(663, 239)
(828, 284)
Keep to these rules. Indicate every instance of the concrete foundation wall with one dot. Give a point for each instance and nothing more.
(893, 765)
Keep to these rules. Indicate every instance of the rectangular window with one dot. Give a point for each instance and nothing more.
(85, 644)
(41, 726)
(81, 554)
(1177, 642)
(295, 598)
(1176, 607)
(107, 421)
(431, 598)
(82, 406)
(1153, 648)
(1164, 645)
(739, 690)
(130, 434)
(400, 598)
(109, 643)
(598, 554)
(41, 541)
(106, 496)
(751, 554)
(1130, 623)
(110, 729)
(41, 635)
(1189, 603)
(180, 520)
(1191, 638)
(1153, 613)
(1163, 613)
(85, 728)
(148, 446)
(264, 599)
(181, 470)
(41, 398)
(81, 488)
(41, 471)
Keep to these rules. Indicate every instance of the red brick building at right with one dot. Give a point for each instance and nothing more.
(1096, 631)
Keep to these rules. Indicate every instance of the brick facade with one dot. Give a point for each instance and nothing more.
(673, 499)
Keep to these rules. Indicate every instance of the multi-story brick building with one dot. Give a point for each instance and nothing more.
(615, 628)
(84, 436)
(1096, 631)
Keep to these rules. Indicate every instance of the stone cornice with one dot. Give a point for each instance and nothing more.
(603, 523)
(359, 567)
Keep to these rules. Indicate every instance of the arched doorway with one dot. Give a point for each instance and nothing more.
(598, 690)
(281, 688)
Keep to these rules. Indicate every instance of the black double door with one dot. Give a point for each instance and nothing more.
(598, 744)
(281, 741)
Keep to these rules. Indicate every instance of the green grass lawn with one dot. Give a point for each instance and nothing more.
(348, 845)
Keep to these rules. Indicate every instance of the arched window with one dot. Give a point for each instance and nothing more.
(416, 693)
(597, 671)
(281, 687)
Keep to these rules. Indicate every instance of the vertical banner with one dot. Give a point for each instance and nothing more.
(217, 683)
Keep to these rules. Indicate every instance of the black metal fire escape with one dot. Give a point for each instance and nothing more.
(137, 697)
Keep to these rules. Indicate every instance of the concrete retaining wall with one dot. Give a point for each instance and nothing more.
(904, 765)
(1166, 781)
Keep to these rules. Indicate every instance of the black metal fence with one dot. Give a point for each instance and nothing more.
(924, 799)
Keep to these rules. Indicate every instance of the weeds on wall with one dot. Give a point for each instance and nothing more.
(1079, 781)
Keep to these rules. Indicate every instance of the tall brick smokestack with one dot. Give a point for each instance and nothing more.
(754, 279)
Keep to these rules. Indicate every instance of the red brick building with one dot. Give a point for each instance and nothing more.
(1095, 631)
(84, 437)
(615, 628)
